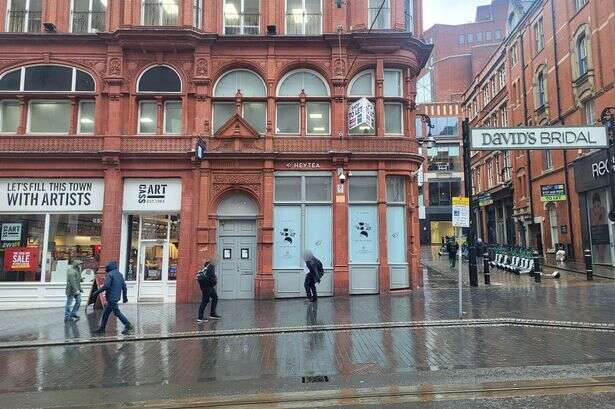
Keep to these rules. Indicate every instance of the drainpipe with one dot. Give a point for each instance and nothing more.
(561, 120)
(525, 114)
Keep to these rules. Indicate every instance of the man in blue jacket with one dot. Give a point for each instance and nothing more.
(114, 287)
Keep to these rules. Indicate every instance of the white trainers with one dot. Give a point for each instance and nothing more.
(201, 321)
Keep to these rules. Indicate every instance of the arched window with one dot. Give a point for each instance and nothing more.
(362, 93)
(51, 114)
(582, 54)
(303, 104)
(541, 89)
(161, 114)
(251, 104)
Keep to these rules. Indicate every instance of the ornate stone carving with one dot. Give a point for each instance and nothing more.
(202, 68)
(224, 182)
(115, 67)
(339, 68)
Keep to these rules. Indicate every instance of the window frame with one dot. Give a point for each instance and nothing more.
(141, 102)
(303, 22)
(160, 3)
(589, 113)
(78, 130)
(298, 133)
(147, 69)
(539, 35)
(22, 80)
(90, 14)
(541, 89)
(401, 105)
(2, 102)
(370, 10)
(307, 114)
(29, 116)
(197, 14)
(27, 19)
(164, 117)
(582, 54)
(241, 20)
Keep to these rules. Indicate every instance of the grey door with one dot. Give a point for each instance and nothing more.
(237, 251)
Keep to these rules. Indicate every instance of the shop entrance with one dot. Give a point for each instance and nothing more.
(153, 266)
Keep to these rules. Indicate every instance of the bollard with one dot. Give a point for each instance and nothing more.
(537, 273)
(589, 269)
(486, 269)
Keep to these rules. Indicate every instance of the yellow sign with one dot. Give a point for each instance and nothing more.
(461, 201)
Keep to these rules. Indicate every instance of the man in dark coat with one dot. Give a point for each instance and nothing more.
(313, 268)
(207, 281)
(452, 248)
(114, 287)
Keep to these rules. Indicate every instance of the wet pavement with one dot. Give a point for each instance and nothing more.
(266, 347)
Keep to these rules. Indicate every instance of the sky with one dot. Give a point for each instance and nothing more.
(450, 11)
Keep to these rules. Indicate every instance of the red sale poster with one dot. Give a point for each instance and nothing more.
(21, 259)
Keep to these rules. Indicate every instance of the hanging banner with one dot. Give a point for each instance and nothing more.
(21, 259)
(553, 193)
(552, 137)
(361, 114)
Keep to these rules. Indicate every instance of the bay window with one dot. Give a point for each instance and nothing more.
(24, 16)
(160, 110)
(304, 17)
(241, 17)
(303, 94)
(243, 92)
(379, 14)
(88, 16)
(160, 12)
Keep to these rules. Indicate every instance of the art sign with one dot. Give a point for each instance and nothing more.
(553, 193)
(152, 195)
(10, 232)
(552, 137)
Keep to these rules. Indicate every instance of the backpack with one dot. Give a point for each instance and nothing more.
(319, 270)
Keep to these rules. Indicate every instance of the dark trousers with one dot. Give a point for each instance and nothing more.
(310, 287)
(112, 307)
(208, 293)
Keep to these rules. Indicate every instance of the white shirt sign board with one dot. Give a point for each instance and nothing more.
(550, 137)
(152, 195)
(461, 212)
(36, 195)
(361, 113)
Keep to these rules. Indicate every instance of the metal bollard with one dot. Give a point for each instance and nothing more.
(537, 272)
(486, 269)
(589, 269)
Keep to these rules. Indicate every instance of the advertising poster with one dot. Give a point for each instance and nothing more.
(363, 234)
(10, 232)
(287, 237)
(21, 259)
(318, 233)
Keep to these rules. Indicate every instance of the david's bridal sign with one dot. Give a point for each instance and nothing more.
(51, 195)
(551, 137)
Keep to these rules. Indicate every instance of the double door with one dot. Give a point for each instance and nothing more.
(237, 258)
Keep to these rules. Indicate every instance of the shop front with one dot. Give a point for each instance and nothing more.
(45, 223)
(149, 252)
(592, 184)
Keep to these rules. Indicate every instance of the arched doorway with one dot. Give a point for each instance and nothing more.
(236, 246)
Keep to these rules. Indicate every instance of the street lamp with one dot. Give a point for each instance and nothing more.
(429, 140)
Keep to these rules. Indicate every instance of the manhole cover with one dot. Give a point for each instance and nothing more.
(314, 379)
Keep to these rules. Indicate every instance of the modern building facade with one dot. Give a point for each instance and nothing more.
(161, 132)
(538, 91)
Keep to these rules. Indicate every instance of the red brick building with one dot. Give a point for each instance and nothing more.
(577, 35)
(101, 107)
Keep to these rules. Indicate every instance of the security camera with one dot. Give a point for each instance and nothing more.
(342, 178)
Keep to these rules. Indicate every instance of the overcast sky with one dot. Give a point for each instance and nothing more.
(450, 11)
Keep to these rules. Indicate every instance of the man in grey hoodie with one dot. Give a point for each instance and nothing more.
(73, 291)
(114, 287)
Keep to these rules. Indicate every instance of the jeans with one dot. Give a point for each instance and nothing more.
(310, 288)
(207, 294)
(69, 301)
(113, 307)
(452, 261)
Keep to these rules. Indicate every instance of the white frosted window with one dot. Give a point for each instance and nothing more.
(288, 189)
(49, 116)
(307, 81)
(222, 112)
(86, 117)
(318, 118)
(173, 117)
(318, 188)
(241, 17)
(256, 115)
(9, 116)
(247, 82)
(303, 17)
(392, 83)
(287, 118)
(392, 118)
(395, 189)
(160, 12)
(363, 188)
(147, 117)
(363, 85)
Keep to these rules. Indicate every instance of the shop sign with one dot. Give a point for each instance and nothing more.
(160, 195)
(303, 165)
(361, 114)
(552, 193)
(461, 212)
(485, 200)
(51, 195)
(10, 232)
(21, 259)
(577, 137)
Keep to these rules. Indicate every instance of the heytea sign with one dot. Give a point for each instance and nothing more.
(573, 137)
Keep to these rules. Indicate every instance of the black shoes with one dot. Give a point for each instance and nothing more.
(127, 330)
(215, 317)
(99, 331)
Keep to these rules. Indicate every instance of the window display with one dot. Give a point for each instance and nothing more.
(21, 241)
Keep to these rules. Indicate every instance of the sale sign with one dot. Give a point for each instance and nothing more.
(21, 259)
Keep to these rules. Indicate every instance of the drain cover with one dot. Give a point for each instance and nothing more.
(313, 379)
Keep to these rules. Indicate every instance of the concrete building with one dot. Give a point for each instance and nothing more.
(159, 133)
(557, 58)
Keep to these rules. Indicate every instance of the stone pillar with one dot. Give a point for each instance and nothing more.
(264, 277)
(341, 283)
(185, 279)
(414, 234)
(380, 97)
(383, 257)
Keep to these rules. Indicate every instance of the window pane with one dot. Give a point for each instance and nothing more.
(49, 117)
(392, 83)
(9, 116)
(287, 118)
(10, 81)
(445, 125)
(363, 85)
(72, 237)
(318, 118)
(147, 117)
(170, 12)
(232, 21)
(362, 188)
(247, 82)
(48, 78)
(173, 117)
(318, 188)
(392, 119)
(256, 115)
(222, 113)
(25, 233)
(159, 79)
(303, 80)
(86, 116)
(395, 189)
(84, 81)
(288, 189)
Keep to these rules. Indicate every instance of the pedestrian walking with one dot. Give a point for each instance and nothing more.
(452, 248)
(314, 272)
(207, 280)
(114, 287)
(73, 291)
